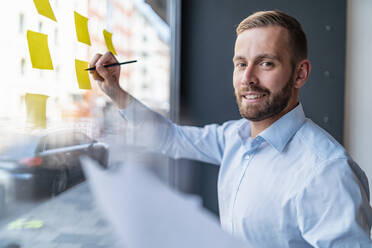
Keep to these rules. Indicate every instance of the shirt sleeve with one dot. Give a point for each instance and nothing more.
(153, 131)
(333, 209)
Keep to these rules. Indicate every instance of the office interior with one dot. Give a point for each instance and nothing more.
(193, 81)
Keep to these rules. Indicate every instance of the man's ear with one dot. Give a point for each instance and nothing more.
(303, 69)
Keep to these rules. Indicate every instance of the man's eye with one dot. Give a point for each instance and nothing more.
(240, 65)
(267, 64)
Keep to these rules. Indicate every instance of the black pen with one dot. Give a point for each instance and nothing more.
(110, 65)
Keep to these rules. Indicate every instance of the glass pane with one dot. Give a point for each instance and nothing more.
(48, 120)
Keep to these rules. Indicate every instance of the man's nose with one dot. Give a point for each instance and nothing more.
(249, 76)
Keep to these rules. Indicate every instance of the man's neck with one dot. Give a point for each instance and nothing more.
(258, 126)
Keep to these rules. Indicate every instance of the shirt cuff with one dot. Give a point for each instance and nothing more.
(127, 112)
(135, 112)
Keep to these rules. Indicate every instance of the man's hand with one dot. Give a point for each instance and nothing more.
(108, 78)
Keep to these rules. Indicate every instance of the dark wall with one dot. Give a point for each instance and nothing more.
(208, 36)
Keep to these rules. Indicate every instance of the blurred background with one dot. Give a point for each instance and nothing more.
(184, 71)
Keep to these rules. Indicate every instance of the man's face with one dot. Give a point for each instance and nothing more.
(263, 73)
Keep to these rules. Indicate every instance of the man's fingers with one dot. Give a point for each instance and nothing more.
(102, 73)
(106, 59)
(96, 76)
(93, 63)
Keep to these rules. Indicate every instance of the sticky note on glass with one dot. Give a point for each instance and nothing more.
(81, 26)
(39, 50)
(108, 40)
(36, 109)
(82, 75)
(43, 8)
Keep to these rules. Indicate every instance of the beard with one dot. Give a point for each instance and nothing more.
(273, 104)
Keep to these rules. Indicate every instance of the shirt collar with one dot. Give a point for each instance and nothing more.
(281, 131)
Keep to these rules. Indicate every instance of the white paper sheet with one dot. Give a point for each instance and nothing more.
(146, 213)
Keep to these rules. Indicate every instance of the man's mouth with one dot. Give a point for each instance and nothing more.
(254, 96)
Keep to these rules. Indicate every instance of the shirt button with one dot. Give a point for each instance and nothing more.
(246, 157)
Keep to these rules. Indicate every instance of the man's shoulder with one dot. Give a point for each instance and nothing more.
(326, 155)
(319, 142)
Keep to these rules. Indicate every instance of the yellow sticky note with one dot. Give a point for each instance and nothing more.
(108, 40)
(44, 8)
(39, 50)
(81, 25)
(82, 75)
(36, 109)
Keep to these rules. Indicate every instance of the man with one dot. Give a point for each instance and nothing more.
(283, 181)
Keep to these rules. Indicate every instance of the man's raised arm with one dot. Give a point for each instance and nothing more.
(152, 130)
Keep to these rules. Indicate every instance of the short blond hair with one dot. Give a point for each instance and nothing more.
(297, 37)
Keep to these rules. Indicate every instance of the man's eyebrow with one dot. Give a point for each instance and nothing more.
(260, 57)
(269, 56)
(238, 57)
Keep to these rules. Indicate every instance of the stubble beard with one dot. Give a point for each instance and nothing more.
(273, 104)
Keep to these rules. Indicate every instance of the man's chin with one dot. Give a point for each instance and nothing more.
(252, 115)
(252, 112)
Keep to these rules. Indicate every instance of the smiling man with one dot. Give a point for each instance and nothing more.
(267, 74)
(283, 181)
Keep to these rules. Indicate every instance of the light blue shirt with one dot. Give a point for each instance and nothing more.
(291, 186)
